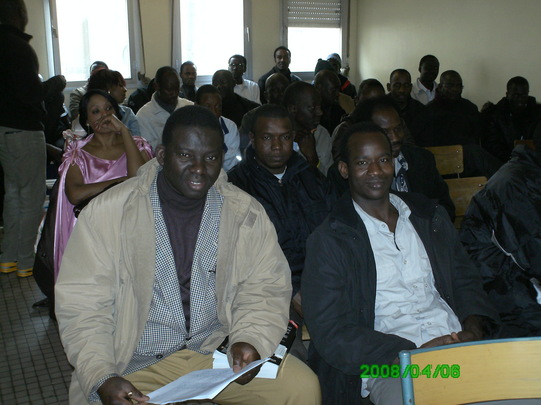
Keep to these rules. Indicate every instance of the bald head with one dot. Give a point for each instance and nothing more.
(13, 12)
(224, 81)
(450, 87)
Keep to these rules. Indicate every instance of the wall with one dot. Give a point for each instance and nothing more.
(486, 41)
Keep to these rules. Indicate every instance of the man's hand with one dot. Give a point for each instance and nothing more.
(473, 329)
(119, 391)
(243, 354)
(307, 145)
(441, 341)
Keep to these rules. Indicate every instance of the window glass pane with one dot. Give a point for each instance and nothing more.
(304, 58)
(90, 31)
(210, 32)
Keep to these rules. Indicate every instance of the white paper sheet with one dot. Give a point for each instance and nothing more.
(268, 370)
(200, 384)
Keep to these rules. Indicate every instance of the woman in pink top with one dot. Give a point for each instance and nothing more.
(108, 155)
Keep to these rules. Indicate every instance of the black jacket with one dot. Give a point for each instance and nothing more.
(21, 91)
(502, 128)
(296, 205)
(422, 177)
(507, 212)
(339, 292)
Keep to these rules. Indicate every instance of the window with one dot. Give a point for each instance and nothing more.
(85, 31)
(198, 34)
(321, 23)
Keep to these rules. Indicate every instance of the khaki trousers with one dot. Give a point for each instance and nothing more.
(294, 384)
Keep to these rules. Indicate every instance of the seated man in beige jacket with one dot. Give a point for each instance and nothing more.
(160, 269)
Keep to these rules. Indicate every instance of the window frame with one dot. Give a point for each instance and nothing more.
(344, 27)
(176, 53)
(134, 35)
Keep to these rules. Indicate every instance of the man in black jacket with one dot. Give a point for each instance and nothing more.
(384, 273)
(296, 197)
(501, 233)
(282, 59)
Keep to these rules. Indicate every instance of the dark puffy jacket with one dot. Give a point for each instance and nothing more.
(502, 233)
(296, 205)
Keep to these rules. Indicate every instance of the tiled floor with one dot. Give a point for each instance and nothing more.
(33, 366)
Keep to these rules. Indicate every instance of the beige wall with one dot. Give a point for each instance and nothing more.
(486, 41)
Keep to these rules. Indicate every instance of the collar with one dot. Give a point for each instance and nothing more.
(15, 31)
(373, 224)
(400, 162)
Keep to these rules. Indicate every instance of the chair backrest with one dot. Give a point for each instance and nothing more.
(471, 372)
(461, 192)
(449, 159)
(528, 142)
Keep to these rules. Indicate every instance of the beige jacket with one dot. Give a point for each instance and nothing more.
(104, 288)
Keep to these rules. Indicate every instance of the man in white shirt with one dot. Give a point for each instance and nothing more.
(153, 115)
(243, 87)
(384, 273)
(424, 88)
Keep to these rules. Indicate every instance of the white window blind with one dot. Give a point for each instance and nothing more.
(315, 13)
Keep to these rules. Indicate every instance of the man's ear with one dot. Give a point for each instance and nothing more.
(292, 108)
(160, 154)
(343, 169)
(251, 136)
(389, 87)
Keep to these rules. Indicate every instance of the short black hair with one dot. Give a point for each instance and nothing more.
(399, 71)
(188, 62)
(425, 58)
(364, 127)
(449, 73)
(239, 57)
(98, 64)
(268, 111)
(104, 79)
(205, 89)
(517, 81)
(83, 106)
(162, 72)
(190, 116)
(285, 48)
(295, 91)
(370, 83)
(364, 111)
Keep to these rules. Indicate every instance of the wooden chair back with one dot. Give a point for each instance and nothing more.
(461, 192)
(472, 372)
(528, 142)
(449, 159)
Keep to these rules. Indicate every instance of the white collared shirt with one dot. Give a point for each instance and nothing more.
(248, 89)
(407, 302)
(420, 93)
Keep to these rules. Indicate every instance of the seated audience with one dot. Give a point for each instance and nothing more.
(328, 85)
(424, 88)
(346, 87)
(515, 116)
(108, 155)
(501, 233)
(455, 120)
(153, 115)
(233, 106)
(414, 167)
(312, 141)
(209, 97)
(243, 87)
(78, 93)
(275, 87)
(412, 111)
(345, 102)
(113, 83)
(162, 268)
(142, 95)
(295, 197)
(385, 272)
(188, 75)
(282, 59)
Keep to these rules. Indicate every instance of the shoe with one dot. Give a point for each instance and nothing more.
(44, 303)
(25, 273)
(8, 267)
